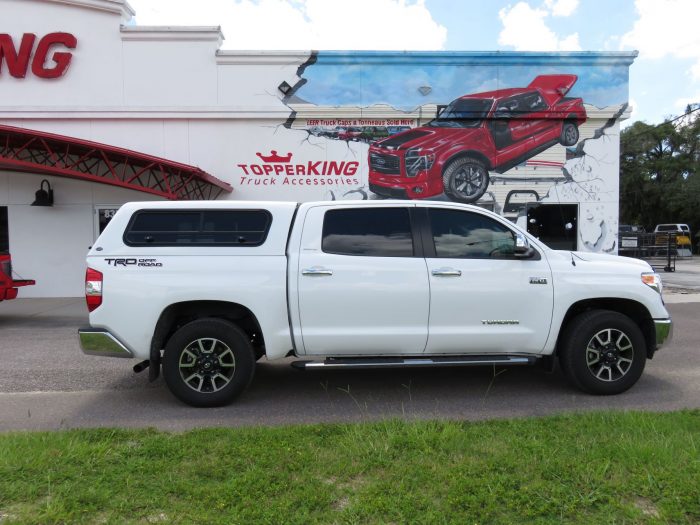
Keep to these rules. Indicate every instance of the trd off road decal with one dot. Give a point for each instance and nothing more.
(117, 262)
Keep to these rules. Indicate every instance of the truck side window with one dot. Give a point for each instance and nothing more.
(198, 228)
(535, 102)
(375, 232)
(463, 234)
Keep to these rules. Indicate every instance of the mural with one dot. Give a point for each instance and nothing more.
(539, 130)
(475, 134)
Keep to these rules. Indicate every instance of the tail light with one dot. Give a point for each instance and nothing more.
(93, 289)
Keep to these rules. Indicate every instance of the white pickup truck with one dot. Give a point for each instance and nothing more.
(204, 289)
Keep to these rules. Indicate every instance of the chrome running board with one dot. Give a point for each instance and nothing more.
(414, 362)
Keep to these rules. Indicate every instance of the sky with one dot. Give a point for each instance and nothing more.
(664, 79)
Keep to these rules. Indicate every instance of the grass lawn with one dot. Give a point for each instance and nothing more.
(591, 468)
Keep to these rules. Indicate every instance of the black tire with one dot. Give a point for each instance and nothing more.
(465, 180)
(602, 352)
(569, 134)
(219, 356)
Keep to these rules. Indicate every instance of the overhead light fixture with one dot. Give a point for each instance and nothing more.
(425, 90)
(43, 197)
(284, 87)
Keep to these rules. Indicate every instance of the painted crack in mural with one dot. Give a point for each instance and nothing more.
(592, 180)
(506, 147)
(313, 58)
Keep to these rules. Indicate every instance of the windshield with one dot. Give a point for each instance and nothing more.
(463, 113)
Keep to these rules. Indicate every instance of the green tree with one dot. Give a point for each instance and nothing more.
(659, 175)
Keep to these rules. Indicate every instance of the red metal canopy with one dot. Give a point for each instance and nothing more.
(48, 154)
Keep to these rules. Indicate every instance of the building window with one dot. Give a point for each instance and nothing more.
(198, 228)
(375, 232)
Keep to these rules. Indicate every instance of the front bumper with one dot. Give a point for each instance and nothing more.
(97, 341)
(664, 332)
(420, 187)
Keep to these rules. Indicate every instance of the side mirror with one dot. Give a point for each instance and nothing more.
(524, 252)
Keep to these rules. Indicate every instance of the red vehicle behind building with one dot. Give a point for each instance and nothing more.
(475, 134)
(351, 133)
(8, 286)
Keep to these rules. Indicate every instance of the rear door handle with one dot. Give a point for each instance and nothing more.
(446, 272)
(316, 270)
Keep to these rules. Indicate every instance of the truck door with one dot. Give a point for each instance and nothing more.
(362, 284)
(483, 298)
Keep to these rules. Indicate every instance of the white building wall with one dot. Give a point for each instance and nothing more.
(170, 92)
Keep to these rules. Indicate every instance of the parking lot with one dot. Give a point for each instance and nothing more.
(47, 383)
(686, 278)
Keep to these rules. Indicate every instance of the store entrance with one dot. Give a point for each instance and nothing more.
(556, 225)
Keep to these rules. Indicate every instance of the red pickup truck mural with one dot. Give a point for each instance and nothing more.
(475, 134)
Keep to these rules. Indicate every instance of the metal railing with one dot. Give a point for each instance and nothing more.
(660, 250)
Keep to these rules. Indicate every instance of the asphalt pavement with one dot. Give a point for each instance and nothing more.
(47, 383)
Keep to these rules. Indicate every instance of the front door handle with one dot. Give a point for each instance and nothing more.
(316, 270)
(446, 272)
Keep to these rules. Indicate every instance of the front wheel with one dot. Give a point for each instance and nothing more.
(603, 352)
(208, 362)
(465, 180)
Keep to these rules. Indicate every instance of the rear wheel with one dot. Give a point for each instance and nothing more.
(569, 134)
(603, 352)
(465, 180)
(208, 362)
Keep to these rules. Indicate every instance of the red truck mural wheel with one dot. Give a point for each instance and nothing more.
(465, 180)
(569, 134)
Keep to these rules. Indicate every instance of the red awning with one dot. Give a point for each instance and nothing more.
(49, 154)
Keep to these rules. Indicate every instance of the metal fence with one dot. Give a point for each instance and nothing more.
(660, 250)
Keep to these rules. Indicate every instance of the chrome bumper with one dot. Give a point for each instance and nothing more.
(664, 332)
(97, 341)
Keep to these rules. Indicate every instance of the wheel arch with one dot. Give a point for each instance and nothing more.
(179, 314)
(636, 311)
(472, 154)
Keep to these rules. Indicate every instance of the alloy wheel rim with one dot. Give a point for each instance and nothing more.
(570, 135)
(468, 181)
(207, 365)
(609, 355)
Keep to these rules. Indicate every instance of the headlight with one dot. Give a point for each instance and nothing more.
(652, 280)
(417, 161)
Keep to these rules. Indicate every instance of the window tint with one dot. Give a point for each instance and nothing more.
(198, 228)
(460, 234)
(509, 105)
(377, 232)
(534, 102)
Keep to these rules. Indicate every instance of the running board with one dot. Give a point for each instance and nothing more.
(414, 362)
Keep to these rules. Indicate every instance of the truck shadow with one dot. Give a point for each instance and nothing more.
(280, 395)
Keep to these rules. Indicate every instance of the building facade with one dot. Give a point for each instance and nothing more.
(106, 112)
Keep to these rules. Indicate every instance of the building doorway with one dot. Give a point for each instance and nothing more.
(556, 225)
